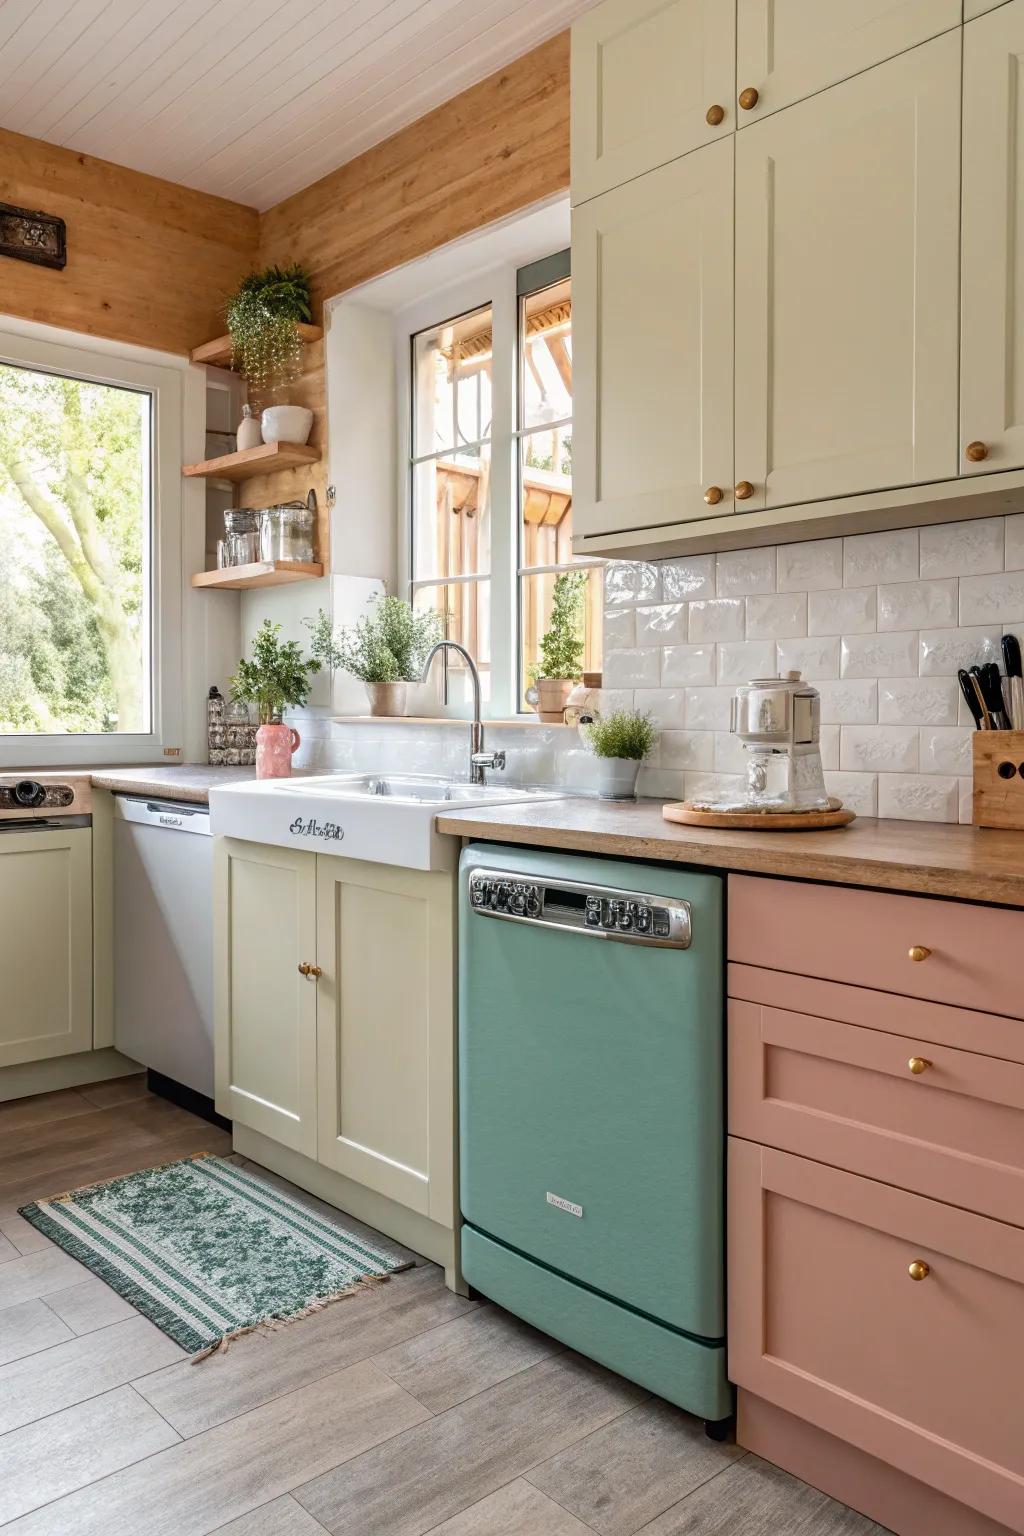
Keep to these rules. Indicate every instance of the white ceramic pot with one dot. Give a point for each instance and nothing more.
(616, 778)
(387, 698)
(286, 424)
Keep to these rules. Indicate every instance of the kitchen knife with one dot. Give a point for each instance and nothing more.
(975, 704)
(1014, 680)
(992, 693)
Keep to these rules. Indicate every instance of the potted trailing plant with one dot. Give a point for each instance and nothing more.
(264, 314)
(620, 741)
(386, 651)
(561, 648)
(277, 675)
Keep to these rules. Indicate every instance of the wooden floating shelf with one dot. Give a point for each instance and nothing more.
(263, 460)
(217, 353)
(262, 573)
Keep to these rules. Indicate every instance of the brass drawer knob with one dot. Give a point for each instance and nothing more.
(748, 98)
(918, 952)
(919, 1270)
(715, 115)
(305, 969)
(976, 452)
(744, 490)
(918, 1064)
(713, 495)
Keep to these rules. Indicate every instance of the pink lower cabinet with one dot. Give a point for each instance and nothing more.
(828, 1323)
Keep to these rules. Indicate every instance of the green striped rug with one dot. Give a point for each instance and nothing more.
(208, 1251)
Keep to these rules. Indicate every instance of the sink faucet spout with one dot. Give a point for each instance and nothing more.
(479, 760)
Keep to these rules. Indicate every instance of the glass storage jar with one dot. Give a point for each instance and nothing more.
(286, 532)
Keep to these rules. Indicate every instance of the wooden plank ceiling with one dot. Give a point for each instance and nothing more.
(249, 99)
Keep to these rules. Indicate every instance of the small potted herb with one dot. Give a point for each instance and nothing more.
(276, 676)
(386, 651)
(561, 648)
(620, 741)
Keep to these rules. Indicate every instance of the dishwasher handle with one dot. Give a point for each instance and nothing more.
(166, 815)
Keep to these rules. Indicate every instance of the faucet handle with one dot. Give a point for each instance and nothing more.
(488, 759)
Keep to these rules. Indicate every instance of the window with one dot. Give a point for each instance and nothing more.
(490, 467)
(83, 630)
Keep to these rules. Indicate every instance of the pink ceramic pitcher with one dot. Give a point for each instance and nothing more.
(274, 747)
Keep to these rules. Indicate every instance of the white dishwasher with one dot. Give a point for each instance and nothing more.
(163, 940)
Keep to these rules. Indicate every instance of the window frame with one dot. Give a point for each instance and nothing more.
(101, 362)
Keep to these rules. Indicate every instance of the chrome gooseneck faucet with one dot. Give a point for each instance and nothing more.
(478, 758)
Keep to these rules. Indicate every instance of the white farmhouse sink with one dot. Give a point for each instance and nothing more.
(387, 818)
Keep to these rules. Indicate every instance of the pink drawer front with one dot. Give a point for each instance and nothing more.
(826, 1322)
(975, 954)
(847, 1095)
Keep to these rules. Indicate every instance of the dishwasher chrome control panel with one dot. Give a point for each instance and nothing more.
(595, 910)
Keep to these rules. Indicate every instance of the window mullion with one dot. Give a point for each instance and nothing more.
(504, 499)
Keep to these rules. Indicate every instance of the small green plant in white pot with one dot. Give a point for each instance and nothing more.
(386, 651)
(620, 741)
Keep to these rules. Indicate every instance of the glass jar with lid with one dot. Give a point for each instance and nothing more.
(286, 532)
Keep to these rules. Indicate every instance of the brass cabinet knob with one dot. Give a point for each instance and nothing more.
(918, 952)
(919, 1270)
(713, 495)
(305, 969)
(744, 489)
(918, 1064)
(748, 98)
(715, 115)
(976, 452)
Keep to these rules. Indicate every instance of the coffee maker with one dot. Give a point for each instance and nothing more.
(778, 721)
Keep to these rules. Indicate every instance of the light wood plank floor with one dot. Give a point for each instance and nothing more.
(403, 1410)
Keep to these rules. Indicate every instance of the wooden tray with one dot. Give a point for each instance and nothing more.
(760, 821)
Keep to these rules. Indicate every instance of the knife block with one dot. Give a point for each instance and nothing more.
(999, 780)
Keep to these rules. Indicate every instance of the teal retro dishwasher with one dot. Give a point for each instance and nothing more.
(591, 1116)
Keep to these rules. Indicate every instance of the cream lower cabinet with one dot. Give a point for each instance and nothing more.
(335, 1013)
(46, 965)
(847, 274)
(992, 343)
(653, 347)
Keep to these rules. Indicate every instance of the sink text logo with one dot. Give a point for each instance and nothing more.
(329, 831)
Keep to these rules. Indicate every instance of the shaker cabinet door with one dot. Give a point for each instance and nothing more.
(846, 285)
(386, 1031)
(789, 49)
(264, 1006)
(647, 78)
(992, 342)
(653, 342)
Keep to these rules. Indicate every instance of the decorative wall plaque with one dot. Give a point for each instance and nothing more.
(30, 236)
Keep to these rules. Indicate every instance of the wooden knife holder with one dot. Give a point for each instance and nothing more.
(999, 779)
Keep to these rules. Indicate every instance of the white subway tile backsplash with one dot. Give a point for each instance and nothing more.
(881, 557)
(1014, 545)
(717, 618)
(633, 668)
(619, 628)
(911, 797)
(661, 783)
(663, 625)
(918, 701)
(942, 652)
(987, 598)
(777, 616)
(857, 791)
(853, 702)
(666, 706)
(682, 664)
(879, 748)
(631, 581)
(879, 655)
(745, 572)
(686, 749)
(917, 604)
(946, 749)
(845, 611)
(740, 660)
(816, 660)
(689, 578)
(811, 566)
(707, 709)
(963, 549)
(829, 746)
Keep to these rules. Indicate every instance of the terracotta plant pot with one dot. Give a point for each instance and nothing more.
(274, 747)
(552, 697)
(387, 698)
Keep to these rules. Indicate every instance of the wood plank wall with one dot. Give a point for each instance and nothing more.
(149, 261)
(496, 148)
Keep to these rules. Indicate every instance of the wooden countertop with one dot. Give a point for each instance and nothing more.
(185, 781)
(928, 858)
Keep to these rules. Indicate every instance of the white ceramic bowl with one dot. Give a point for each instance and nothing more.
(286, 424)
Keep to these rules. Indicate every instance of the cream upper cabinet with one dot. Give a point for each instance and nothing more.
(992, 342)
(386, 1031)
(651, 80)
(653, 340)
(846, 285)
(45, 944)
(264, 1006)
(789, 49)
